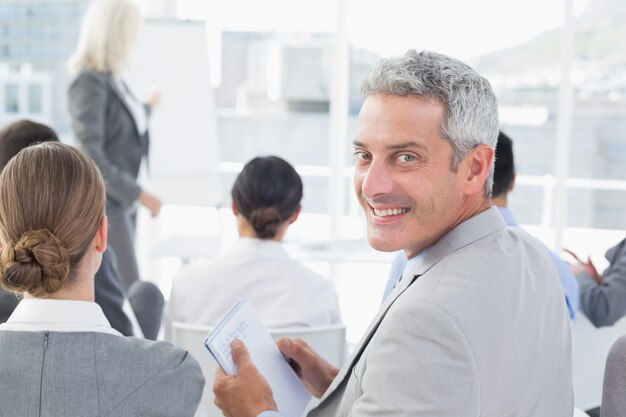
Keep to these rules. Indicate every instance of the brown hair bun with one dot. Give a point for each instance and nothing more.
(265, 221)
(38, 264)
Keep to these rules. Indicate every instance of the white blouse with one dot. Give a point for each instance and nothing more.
(136, 108)
(281, 290)
(36, 314)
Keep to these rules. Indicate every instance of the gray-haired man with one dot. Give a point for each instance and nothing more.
(477, 325)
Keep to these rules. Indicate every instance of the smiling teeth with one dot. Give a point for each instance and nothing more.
(390, 212)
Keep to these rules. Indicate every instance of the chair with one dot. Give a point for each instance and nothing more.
(590, 348)
(614, 386)
(580, 413)
(328, 341)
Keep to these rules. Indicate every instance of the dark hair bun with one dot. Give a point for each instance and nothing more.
(38, 264)
(265, 221)
(267, 192)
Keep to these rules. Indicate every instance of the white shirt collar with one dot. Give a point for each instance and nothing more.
(259, 247)
(412, 264)
(36, 314)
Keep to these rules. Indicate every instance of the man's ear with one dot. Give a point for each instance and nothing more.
(101, 235)
(477, 164)
(234, 208)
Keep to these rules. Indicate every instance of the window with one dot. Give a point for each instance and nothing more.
(35, 99)
(11, 98)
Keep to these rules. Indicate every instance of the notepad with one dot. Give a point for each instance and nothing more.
(241, 322)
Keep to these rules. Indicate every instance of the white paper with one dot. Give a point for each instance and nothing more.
(241, 322)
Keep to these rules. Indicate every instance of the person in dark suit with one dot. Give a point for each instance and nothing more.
(145, 298)
(108, 121)
(60, 356)
(603, 296)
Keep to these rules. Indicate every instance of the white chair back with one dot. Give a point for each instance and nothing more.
(580, 413)
(590, 348)
(328, 341)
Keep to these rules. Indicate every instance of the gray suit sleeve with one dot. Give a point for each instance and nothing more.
(186, 382)
(174, 390)
(605, 304)
(110, 294)
(87, 103)
(614, 388)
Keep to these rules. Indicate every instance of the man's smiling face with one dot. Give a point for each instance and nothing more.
(403, 176)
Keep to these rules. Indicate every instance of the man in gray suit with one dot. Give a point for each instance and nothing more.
(477, 325)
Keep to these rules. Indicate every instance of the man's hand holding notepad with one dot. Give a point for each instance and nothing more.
(241, 322)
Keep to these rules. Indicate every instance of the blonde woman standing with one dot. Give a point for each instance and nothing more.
(60, 356)
(108, 121)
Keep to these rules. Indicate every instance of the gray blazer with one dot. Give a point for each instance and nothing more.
(105, 129)
(606, 303)
(481, 330)
(53, 374)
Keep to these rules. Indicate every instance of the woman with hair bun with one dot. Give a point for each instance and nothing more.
(59, 354)
(266, 200)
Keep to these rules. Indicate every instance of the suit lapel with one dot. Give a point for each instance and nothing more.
(399, 289)
(121, 98)
(471, 230)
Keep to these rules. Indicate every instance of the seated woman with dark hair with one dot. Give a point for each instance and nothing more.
(60, 356)
(266, 200)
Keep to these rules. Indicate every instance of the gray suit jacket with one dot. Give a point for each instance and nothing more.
(8, 302)
(105, 129)
(481, 330)
(606, 303)
(53, 374)
(110, 294)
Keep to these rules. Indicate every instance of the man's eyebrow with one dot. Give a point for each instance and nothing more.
(395, 146)
(404, 145)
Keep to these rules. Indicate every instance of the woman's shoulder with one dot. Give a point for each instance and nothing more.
(156, 377)
(91, 76)
(139, 350)
(109, 351)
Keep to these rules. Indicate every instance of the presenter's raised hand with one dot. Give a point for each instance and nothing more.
(315, 373)
(591, 270)
(150, 202)
(154, 99)
(585, 266)
(246, 394)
